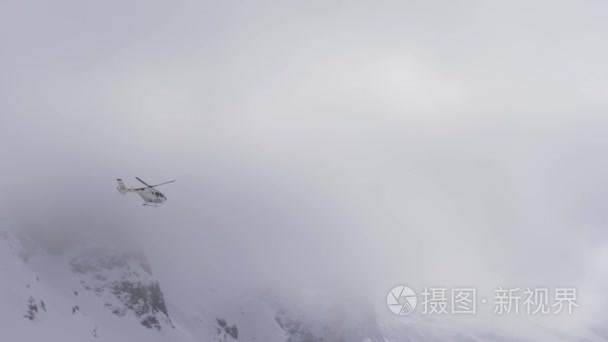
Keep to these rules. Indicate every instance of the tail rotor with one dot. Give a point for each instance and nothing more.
(121, 187)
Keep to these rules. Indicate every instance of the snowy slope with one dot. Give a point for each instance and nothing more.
(100, 294)
(86, 298)
(108, 295)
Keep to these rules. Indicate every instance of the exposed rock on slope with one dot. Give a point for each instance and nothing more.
(124, 281)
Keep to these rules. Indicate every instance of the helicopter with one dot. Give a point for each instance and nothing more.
(149, 194)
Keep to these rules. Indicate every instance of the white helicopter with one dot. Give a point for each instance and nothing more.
(151, 196)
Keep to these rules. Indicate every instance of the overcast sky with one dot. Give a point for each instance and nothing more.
(320, 144)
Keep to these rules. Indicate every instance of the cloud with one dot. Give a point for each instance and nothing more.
(316, 145)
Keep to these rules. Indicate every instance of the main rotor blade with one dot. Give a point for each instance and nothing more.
(146, 184)
(163, 183)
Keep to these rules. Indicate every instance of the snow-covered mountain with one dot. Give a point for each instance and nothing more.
(101, 294)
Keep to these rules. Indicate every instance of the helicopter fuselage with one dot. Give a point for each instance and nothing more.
(151, 195)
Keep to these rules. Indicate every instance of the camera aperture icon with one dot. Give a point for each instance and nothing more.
(401, 300)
